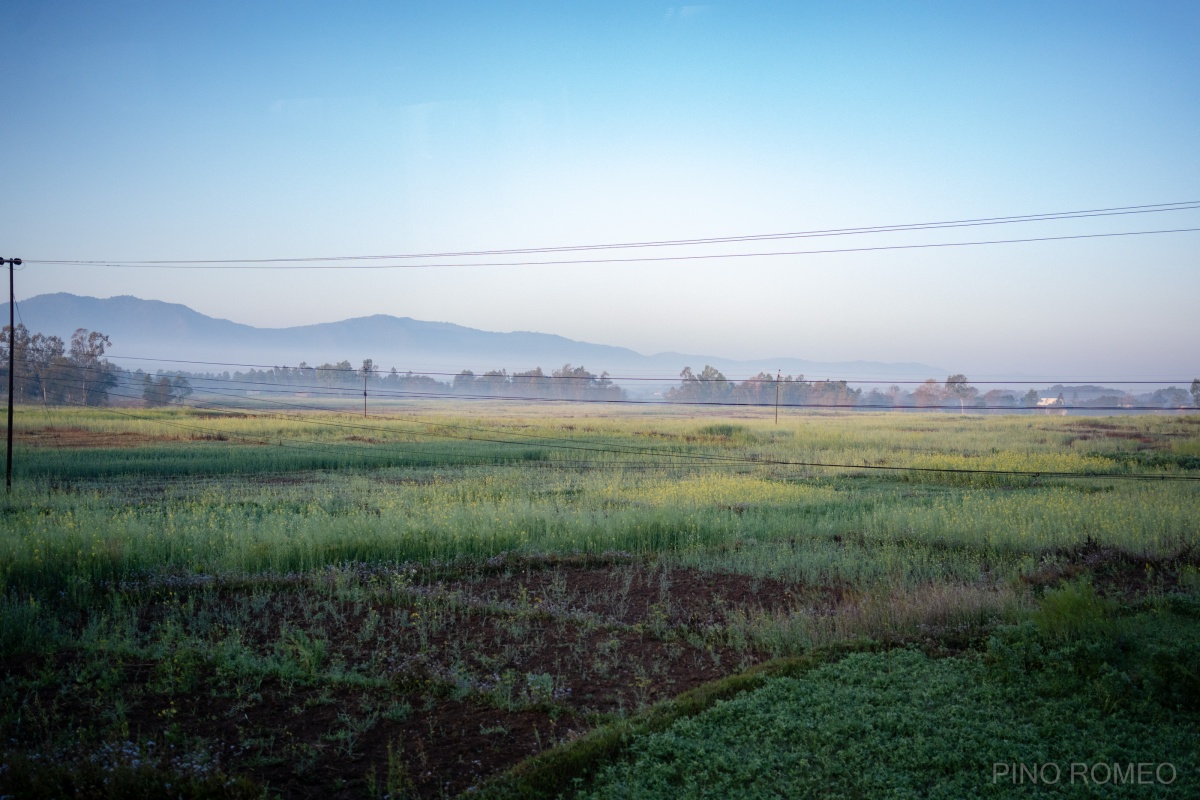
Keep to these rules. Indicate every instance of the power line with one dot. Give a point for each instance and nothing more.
(629, 260)
(901, 227)
(352, 392)
(348, 393)
(673, 378)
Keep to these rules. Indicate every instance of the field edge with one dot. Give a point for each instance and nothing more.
(551, 773)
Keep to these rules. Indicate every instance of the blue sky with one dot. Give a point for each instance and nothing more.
(138, 130)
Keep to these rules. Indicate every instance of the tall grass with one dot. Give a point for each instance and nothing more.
(87, 515)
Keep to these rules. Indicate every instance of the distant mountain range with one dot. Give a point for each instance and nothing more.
(166, 333)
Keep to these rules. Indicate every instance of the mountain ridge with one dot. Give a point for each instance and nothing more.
(158, 331)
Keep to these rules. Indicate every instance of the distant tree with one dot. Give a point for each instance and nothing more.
(163, 389)
(94, 375)
(180, 387)
(156, 391)
(877, 398)
(534, 383)
(571, 383)
(146, 382)
(368, 367)
(957, 386)
(1002, 398)
(1196, 392)
(795, 391)
(833, 393)
(45, 371)
(464, 381)
(928, 394)
(45, 362)
(577, 383)
(1171, 397)
(493, 383)
(19, 344)
(758, 390)
(163, 384)
(339, 374)
(1108, 401)
(709, 386)
(1031, 398)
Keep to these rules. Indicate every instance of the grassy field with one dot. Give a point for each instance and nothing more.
(553, 601)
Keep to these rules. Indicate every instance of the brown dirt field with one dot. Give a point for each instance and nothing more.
(489, 665)
(82, 438)
(637, 594)
(1096, 429)
(463, 671)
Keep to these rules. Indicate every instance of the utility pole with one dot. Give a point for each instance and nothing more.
(778, 378)
(12, 351)
(367, 368)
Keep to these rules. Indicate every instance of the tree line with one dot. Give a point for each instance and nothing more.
(710, 386)
(50, 371)
(565, 383)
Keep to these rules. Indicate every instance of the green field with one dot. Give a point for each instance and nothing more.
(549, 601)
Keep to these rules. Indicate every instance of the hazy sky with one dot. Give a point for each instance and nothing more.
(164, 130)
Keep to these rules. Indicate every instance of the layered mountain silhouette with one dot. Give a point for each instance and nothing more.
(167, 333)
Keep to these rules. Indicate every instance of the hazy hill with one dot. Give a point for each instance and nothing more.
(169, 331)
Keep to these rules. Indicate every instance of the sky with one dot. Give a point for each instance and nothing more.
(232, 130)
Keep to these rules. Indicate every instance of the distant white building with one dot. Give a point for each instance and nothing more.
(1053, 403)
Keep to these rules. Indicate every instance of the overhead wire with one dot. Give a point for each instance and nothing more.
(354, 393)
(572, 444)
(627, 260)
(673, 378)
(893, 228)
(349, 392)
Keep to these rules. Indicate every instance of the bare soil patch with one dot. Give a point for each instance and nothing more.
(448, 676)
(285, 479)
(1117, 573)
(635, 593)
(81, 438)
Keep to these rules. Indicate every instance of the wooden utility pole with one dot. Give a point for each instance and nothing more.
(365, 374)
(778, 378)
(12, 351)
